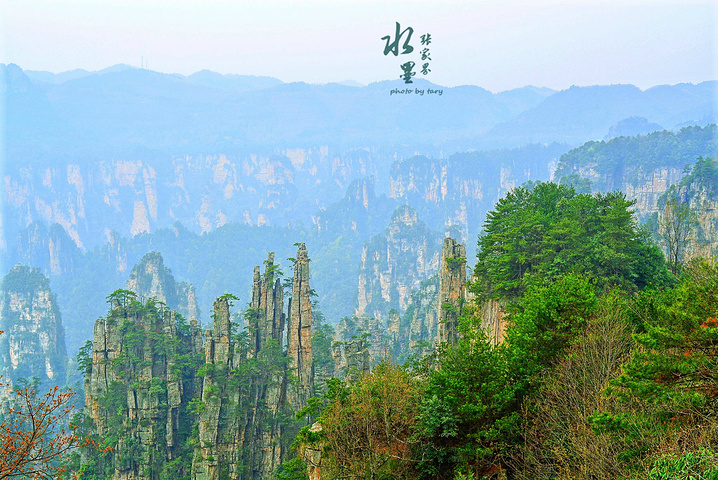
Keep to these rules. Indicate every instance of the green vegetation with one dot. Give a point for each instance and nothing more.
(613, 159)
(701, 175)
(138, 395)
(606, 370)
(24, 279)
(540, 235)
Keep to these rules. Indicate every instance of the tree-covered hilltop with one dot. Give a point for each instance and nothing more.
(541, 234)
(702, 175)
(605, 369)
(611, 164)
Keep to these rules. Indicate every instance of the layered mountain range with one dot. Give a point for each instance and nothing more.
(213, 171)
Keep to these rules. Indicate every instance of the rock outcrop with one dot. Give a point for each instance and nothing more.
(452, 289)
(643, 167)
(33, 342)
(394, 263)
(356, 355)
(248, 388)
(356, 334)
(299, 335)
(455, 193)
(351, 358)
(239, 429)
(151, 278)
(699, 190)
(238, 388)
(139, 385)
(218, 442)
(421, 320)
(492, 320)
(51, 248)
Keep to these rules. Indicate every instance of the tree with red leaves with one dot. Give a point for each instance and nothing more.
(34, 443)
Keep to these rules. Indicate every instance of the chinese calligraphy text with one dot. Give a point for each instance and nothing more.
(393, 45)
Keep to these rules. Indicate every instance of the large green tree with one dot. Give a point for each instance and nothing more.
(546, 232)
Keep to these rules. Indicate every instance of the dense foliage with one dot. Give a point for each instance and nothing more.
(643, 153)
(544, 233)
(606, 369)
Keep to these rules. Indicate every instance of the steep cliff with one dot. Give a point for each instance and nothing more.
(251, 386)
(429, 311)
(242, 396)
(420, 322)
(244, 387)
(150, 278)
(698, 189)
(299, 335)
(342, 228)
(360, 212)
(359, 343)
(33, 342)
(152, 378)
(138, 194)
(644, 167)
(452, 289)
(492, 314)
(394, 263)
(139, 386)
(51, 248)
(455, 193)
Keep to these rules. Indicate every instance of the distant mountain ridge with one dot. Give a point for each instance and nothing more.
(579, 114)
(122, 109)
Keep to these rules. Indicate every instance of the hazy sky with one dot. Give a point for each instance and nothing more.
(494, 44)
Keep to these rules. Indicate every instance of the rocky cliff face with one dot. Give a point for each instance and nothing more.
(151, 279)
(455, 193)
(699, 190)
(238, 429)
(644, 167)
(38, 245)
(137, 195)
(492, 320)
(394, 263)
(361, 341)
(239, 388)
(249, 388)
(645, 187)
(421, 320)
(299, 339)
(426, 310)
(139, 385)
(33, 342)
(355, 213)
(452, 289)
